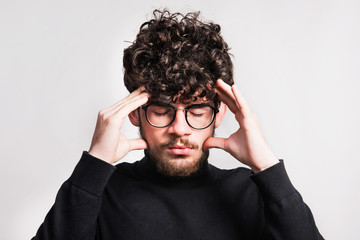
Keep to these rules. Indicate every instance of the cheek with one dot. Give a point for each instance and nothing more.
(201, 136)
(153, 136)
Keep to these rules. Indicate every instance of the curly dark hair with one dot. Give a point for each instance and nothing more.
(177, 58)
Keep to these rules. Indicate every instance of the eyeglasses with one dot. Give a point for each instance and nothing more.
(198, 116)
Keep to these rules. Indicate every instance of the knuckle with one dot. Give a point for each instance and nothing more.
(107, 120)
(101, 113)
(103, 116)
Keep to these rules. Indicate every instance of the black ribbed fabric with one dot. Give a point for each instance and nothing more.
(133, 201)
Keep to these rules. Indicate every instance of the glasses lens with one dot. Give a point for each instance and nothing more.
(200, 116)
(160, 116)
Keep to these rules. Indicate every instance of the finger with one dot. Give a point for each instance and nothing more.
(120, 112)
(240, 100)
(127, 108)
(137, 144)
(127, 102)
(224, 88)
(230, 102)
(214, 142)
(226, 95)
(135, 93)
(233, 93)
(132, 95)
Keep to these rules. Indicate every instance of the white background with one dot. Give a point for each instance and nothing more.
(297, 63)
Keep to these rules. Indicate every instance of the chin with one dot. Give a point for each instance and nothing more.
(179, 165)
(182, 162)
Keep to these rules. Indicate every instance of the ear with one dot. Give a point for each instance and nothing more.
(134, 118)
(220, 115)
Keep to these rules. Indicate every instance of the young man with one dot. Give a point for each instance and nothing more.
(179, 73)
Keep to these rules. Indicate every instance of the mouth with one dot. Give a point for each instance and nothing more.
(180, 149)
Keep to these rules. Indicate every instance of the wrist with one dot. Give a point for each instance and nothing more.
(259, 166)
(100, 156)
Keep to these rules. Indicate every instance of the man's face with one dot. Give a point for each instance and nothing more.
(177, 148)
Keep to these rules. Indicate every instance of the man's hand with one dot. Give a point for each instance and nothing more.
(247, 144)
(108, 143)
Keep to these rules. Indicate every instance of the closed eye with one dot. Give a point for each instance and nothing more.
(196, 114)
(161, 113)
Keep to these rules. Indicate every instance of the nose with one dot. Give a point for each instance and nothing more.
(179, 126)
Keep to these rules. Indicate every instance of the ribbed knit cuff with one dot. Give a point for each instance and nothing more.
(274, 183)
(91, 174)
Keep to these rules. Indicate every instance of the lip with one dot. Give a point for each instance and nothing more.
(180, 150)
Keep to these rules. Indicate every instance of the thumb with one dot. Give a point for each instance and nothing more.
(137, 144)
(214, 142)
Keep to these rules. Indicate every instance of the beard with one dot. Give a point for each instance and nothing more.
(176, 165)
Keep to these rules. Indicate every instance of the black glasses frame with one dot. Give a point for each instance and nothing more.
(145, 107)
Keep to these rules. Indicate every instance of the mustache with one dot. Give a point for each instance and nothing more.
(184, 142)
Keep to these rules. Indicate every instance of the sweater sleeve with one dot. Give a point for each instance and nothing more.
(286, 214)
(77, 204)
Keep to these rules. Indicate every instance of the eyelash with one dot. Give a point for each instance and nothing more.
(196, 115)
(160, 114)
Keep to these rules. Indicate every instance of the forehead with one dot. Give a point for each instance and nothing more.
(180, 103)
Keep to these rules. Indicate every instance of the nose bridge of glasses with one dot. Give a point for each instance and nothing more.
(184, 110)
(180, 108)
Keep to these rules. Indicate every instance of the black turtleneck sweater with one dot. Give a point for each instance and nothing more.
(133, 201)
